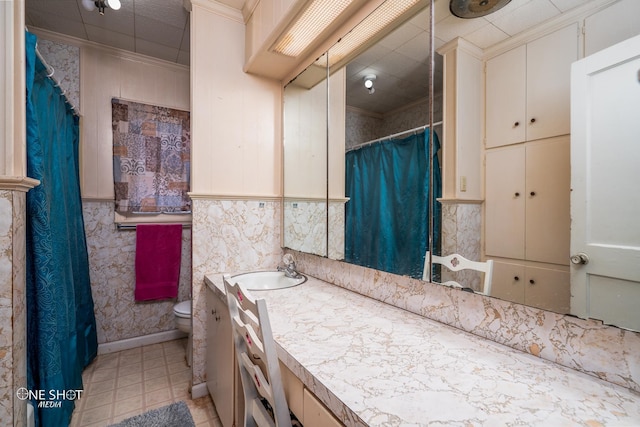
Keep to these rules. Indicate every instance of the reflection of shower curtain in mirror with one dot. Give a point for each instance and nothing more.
(386, 222)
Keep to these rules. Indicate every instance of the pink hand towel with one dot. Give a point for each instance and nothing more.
(158, 253)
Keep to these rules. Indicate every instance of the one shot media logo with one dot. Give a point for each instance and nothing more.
(48, 398)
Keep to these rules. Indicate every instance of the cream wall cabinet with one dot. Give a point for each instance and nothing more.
(541, 287)
(527, 89)
(527, 201)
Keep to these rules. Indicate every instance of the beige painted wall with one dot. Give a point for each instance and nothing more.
(107, 73)
(236, 120)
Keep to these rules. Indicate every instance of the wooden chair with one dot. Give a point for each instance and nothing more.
(455, 262)
(265, 401)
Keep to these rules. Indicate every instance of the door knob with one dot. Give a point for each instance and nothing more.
(580, 259)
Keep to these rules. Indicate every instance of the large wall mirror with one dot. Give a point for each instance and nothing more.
(524, 51)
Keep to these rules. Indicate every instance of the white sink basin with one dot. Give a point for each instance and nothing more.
(267, 280)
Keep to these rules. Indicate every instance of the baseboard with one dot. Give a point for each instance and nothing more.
(199, 390)
(111, 347)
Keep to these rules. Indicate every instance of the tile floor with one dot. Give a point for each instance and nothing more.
(130, 382)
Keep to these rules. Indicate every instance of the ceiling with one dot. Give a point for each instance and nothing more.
(400, 60)
(160, 28)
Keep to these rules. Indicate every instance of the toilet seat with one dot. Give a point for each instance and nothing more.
(182, 309)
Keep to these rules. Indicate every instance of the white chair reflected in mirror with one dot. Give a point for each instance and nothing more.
(455, 262)
(265, 403)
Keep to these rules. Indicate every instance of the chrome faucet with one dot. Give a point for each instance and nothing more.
(289, 268)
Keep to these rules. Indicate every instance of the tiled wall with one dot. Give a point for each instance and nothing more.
(229, 236)
(65, 60)
(609, 353)
(13, 363)
(362, 126)
(461, 231)
(306, 227)
(112, 271)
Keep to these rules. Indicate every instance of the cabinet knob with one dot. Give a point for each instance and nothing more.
(516, 124)
(516, 278)
(533, 120)
(517, 194)
(533, 282)
(533, 193)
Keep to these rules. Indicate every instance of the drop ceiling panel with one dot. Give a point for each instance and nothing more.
(110, 38)
(56, 23)
(525, 16)
(158, 32)
(169, 12)
(119, 21)
(66, 8)
(487, 36)
(156, 50)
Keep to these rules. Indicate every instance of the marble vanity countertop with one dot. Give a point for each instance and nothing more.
(373, 364)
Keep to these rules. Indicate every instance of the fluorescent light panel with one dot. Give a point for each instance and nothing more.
(313, 21)
(384, 15)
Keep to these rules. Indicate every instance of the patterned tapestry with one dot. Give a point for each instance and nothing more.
(151, 157)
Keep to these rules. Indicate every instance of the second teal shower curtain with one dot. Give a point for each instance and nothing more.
(386, 217)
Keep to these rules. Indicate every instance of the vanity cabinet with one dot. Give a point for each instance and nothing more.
(527, 201)
(220, 358)
(304, 404)
(223, 376)
(528, 89)
(545, 287)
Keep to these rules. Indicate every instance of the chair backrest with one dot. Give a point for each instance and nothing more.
(455, 262)
(257, 360)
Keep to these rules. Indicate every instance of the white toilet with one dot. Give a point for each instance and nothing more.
(182, 312)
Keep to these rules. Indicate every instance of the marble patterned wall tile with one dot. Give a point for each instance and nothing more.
(19, 303)
(229, 236)
(362, 126)
(609, 353)
(65, 60)
(13, 321)
(305, 226)
(112, 270)
(6, 306)
(461, 232)
(336, 230)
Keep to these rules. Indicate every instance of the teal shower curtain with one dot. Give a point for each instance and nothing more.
(386, 217)
(61, 328)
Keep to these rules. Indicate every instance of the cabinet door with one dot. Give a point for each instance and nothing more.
(548, 189)
(505, 202)
(293, 391)
(507, 282)
(220, 359)
(549, 61)
(547, 289)
(505, 98)
(315, 414)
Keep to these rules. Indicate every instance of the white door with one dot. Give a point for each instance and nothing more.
(605, 180)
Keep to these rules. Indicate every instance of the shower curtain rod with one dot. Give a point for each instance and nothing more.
(395, 135)
(50, 72)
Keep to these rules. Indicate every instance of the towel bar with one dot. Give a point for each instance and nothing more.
(127, 227)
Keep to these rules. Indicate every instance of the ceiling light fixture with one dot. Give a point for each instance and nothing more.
(311, 23)
(101, 5)
(468, 9)
(368, 82)
(384, 15)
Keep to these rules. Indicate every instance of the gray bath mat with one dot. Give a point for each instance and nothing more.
(174, 415)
